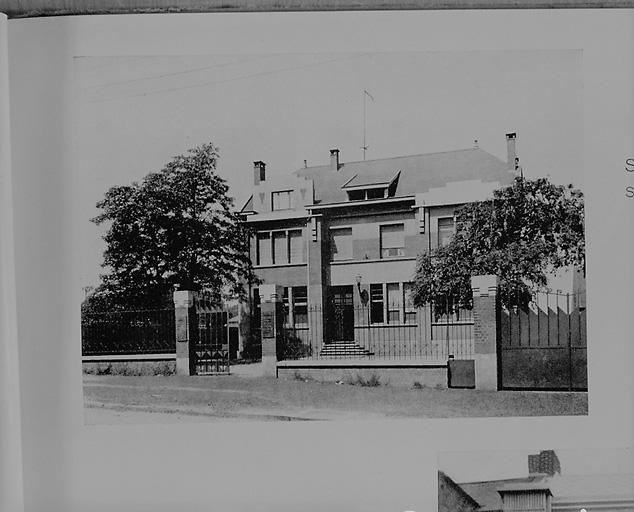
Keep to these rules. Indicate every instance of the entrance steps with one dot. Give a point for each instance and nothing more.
(344, 349)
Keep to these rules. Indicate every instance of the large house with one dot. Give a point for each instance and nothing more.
(544, 489)
(345, 236)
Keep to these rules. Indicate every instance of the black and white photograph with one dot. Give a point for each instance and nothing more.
(580, 480)
(317, 261)
(331, 236)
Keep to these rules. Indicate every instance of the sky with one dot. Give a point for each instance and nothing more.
(481, 465)
(133, 114)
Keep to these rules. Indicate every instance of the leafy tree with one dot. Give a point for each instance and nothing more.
(176, 228)
(524, 232)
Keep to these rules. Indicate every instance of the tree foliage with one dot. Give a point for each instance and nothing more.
(524, 232)
(176, 228)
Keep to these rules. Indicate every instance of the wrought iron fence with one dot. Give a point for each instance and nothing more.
(128, 332)
(396, 332)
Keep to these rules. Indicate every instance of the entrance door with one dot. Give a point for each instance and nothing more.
(341, 317)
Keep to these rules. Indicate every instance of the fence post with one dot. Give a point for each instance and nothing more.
(270, 326)
(186, 330)
(486, 331)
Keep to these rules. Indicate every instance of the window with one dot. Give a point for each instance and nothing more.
(285, 305)
(281, 200)
(300, 306)
(375, 193)
(264, 249)
(445, 230)
(341, 243)
(393, 303)
(280, 248)
(356, 195)
(392, 240)
(408, 301)
(376, 304)
(296, 246)
(370, 193)
(295, 302)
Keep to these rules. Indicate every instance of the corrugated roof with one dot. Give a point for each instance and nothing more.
(418, 173)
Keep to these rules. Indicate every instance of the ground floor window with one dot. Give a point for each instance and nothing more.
(295, 302)
(392, 303)
(376, 304)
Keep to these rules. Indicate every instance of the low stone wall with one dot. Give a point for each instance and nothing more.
(425, 377)
(148, 367)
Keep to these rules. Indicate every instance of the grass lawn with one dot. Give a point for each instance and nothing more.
(108, 398)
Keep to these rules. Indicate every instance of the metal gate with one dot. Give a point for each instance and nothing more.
(543, 346)
(210, 352)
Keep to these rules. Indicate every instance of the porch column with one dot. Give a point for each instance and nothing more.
(186, 330)
(486, 331)
(271, 325)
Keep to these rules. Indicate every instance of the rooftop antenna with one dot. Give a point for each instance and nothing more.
(365, 94)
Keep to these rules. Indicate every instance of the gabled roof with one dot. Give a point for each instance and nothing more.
(487, 495)
(562, 488)
(443, 478)
(418, 173)
(382, 178)
(248, 206)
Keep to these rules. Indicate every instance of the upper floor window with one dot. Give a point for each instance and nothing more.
(371, 193)
(341, 243)
(446, 230)
(265, 256)
(280, 247)
(295, 246)
(392, 240)
(281, 200)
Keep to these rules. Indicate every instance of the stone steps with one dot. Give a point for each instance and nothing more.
(344, 349)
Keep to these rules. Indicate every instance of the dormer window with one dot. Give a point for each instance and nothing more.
(376, 186)
(281, 200)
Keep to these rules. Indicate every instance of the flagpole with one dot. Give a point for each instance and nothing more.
(364, 145)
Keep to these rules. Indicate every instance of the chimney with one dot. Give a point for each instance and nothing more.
(334, 159)
(546, 462)
(511, 151)
(259, 172)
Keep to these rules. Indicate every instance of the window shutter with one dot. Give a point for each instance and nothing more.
(280, 253)
(296, 246)
(392, 237)
(264, 249)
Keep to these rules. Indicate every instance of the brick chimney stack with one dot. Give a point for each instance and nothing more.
(511, 151)
(259, 172)
(545, 462)
(334, 159)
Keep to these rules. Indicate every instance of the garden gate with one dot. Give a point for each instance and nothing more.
(544, 346)
(210, 350)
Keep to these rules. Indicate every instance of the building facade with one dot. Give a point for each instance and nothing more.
(342, 239)
(544, 489)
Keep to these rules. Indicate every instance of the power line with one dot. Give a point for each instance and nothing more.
(175, 73)
(228, 80)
